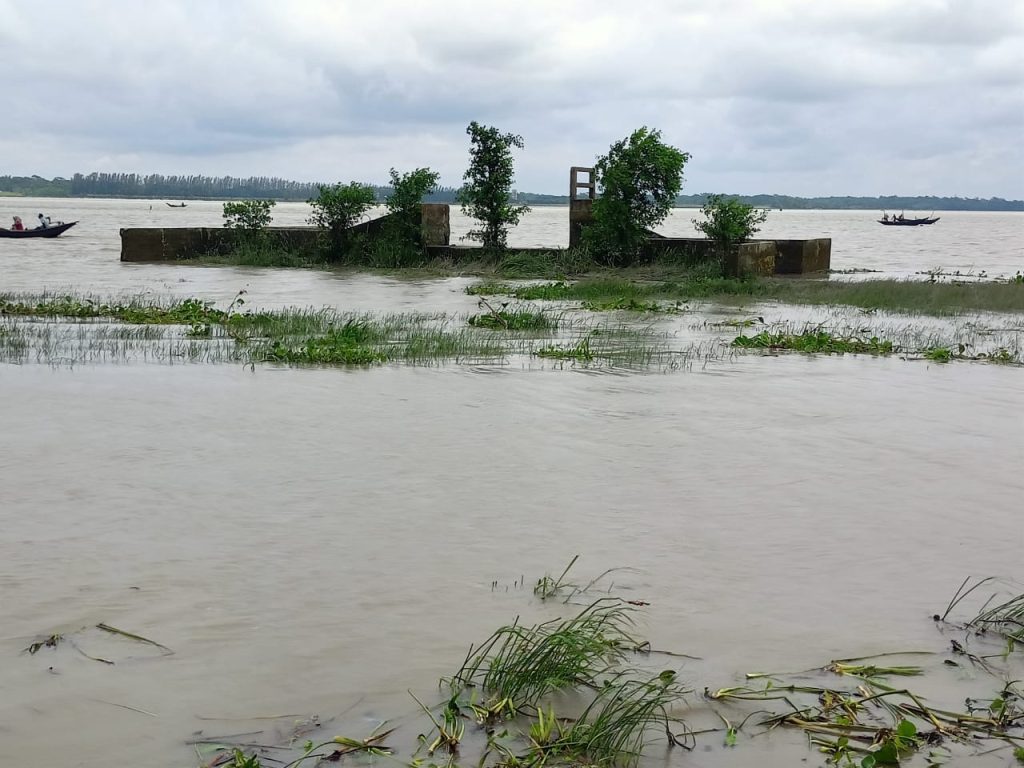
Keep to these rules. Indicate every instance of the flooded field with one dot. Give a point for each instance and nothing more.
(315, 543)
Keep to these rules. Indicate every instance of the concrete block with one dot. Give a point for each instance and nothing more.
(756, 258)
(435, 223)
(581, 213)
(799, 257)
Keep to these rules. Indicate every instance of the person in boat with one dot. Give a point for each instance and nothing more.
(901, 217)
(18, 226)
(44, 222)
(885, 216)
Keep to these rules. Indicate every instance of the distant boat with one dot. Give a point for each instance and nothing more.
(175, 205)
(894, 221)
(54, 230)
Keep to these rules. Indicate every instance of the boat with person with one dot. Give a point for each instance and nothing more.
(54, 230)
(175, 205)
(902, 221)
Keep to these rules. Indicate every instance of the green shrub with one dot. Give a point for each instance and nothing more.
(728, 222)
(487, 193)
(248, 215)
(639, 180)
(339, 207)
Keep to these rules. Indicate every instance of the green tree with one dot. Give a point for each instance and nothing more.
(487, 194)
(407, 193)
(337, 208)
(638, 180)
(249, 215)
(729, 222)
(400, 242)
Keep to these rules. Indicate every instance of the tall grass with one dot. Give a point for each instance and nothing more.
(517, 666)
(617, 724)
(914, 296)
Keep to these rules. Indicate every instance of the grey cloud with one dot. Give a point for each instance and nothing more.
(760, 93)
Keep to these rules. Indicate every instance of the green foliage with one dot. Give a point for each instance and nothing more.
(814, 341)
(518, 666)
(580, 352)
(938, 354)
(487, 193)
(351, 344)
(183, 311)
(240, 760)
(1019, 754)
(728, 222)
(614, 727)
(513, 320)
(248, 215)
(554, 263)
(337, 208)
(400, 243)
(639, 179)
(407, 193)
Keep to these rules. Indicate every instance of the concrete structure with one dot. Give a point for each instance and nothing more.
(173, 243)
(799, 257)
(581, 209)
(759, 257)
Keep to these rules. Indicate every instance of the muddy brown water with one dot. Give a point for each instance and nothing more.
(320, 541)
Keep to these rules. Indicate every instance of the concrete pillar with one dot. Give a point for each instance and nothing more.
(581, 209)
(435, 224)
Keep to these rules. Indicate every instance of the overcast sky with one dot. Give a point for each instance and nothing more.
(804, 97)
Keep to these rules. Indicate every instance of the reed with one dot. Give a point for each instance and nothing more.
(517, 666)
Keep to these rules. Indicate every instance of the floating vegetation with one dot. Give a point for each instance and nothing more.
(56, 639)
(580, 351)
(571, 692)
(515, 319)
(815, 341)
(634, 305)
(1004, 616)
(615, 726)
(518, 666)
(190, 330)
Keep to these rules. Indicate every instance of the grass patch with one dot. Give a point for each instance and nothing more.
(934, 298)
(614, 728)
(351, 344)
(513, 320)
(815, 341)
(580, 352)
(135, 311)
(518, 666)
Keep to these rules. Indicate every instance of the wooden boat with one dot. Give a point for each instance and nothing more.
(175, 205)
(54, 230)
(892, 221)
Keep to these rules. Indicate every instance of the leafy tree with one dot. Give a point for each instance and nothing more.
(407, 193)
(249, 215)
(338, 207)
(729, 222)
(400, 242)
(639, 180)
(487, 193)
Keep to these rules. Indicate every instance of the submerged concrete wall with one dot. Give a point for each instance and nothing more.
(800, 257)
(173, 243)
(759, 257)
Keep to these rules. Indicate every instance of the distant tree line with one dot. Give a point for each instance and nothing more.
(888, 202)
(273, 188)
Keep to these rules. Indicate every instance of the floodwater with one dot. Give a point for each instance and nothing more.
(321, 541)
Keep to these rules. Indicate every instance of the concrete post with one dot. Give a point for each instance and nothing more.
(435, 224)
(581, 210)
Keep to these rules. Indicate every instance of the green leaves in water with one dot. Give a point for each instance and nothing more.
(521, 665)
(354, 343)
(513, 320)
(814, 341)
